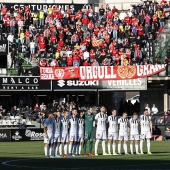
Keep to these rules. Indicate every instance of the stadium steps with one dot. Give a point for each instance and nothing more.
(25, 65)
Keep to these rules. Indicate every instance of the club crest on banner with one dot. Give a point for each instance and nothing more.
(59, 73)
(126, 71)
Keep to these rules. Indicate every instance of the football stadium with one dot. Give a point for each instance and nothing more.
(84, 84)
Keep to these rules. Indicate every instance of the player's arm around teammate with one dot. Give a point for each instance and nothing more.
(101, 119)
(134, 133)
(123, 133)
(89, 131)
(112, 132)
(48, 134)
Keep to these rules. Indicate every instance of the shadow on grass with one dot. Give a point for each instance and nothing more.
(84, 164)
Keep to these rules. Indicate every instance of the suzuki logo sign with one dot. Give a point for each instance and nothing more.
(61, 83)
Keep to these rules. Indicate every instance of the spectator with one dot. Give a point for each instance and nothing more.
(154, 109)
(67, 31)
(13, 57)
(14, 111)
(148, 108)
(36, 107)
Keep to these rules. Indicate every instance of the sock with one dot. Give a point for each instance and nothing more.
(131, 148)
(60, 148)
(90, 146)
(136, 147)
(148, 145)
(141, 146)
(79, 149)
(119, 148)
(85, 146)
(65, 149)
(45, 150)
(114, 147)
(96, 146)
(125, 147)
(50, 151)
(103, 146)
(56, 149)
(109, 148)
(76, 148)
(70, 149)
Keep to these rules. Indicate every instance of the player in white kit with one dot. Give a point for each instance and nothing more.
(112, 132)
(146, 130)
(73, 132)
(101, 119)
(134, 133)
(123, 133)
(80, 137)
(48, 134)
(57, 135)
(64, 132)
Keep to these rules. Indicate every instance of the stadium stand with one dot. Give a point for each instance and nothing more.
(57, 38)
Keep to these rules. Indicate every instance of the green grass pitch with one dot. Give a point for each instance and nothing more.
(29, 155)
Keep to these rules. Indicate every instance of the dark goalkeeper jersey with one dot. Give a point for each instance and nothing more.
(89, 122)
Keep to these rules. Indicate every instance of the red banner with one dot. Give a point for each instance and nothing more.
(51, 73)
(119, 72)
(100, 72)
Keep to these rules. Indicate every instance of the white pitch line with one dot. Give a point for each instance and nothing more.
(7, 163)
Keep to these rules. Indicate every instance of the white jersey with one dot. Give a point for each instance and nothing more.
(57, 125)
(64, 125)
(49, 124)
(73, 123)
(134, 126)
(101, 121)
(80, 126)
(145, 123)
(123, 125)
(113, 124)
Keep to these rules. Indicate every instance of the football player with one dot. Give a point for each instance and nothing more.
(89, 131)
(101, 119)
(48, 134)
(57, 135)
(146, 130)
(80, 137)
(73, 132)
(123, 133)
(134, 132)
(112, 132)
(64, 131)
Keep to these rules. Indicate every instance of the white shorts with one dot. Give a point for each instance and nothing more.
(123, 136)
(64, 138)
(80, 138)
(145, 135)
(134, 137)
(112, 136)
(73, 137)
(101, 134)
(57, 138)
(49, 139)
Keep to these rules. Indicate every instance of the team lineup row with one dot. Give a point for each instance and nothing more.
(74, 132)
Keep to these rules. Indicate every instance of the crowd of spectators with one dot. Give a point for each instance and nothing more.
(54, 37)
